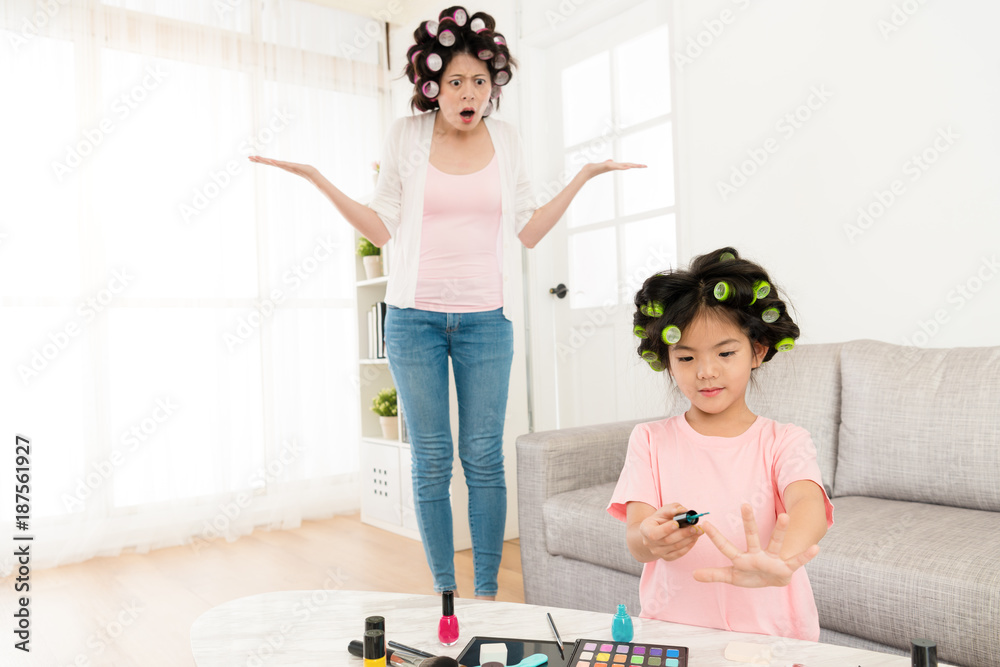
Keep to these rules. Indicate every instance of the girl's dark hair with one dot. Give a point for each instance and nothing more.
(675, 298)
(475, 43)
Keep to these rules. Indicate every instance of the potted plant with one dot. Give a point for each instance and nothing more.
(384, 405)
(370, 257)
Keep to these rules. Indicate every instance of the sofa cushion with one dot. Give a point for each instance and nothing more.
(891, 571)
(920, 424)
(802, 387)
(578, 526)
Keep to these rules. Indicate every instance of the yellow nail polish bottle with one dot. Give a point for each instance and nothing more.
(374, 648)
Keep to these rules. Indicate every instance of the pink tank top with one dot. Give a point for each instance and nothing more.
(460, 267)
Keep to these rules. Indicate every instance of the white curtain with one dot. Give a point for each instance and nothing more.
(179, 327)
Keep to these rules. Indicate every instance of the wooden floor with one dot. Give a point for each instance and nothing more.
(138, 609)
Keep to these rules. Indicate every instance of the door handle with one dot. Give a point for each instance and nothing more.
(559, 290)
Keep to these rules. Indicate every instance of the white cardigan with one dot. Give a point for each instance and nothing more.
(399, 199)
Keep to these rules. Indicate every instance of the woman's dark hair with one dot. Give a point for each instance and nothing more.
(675, 298)
(474, 35)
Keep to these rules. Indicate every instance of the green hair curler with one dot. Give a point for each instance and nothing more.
(652, 309)
(785, 344)
(721, 290)
(761, 288)
(671, 335)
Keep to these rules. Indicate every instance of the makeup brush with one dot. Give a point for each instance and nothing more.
(414, 651)
(396, 658)
(439, 661)
(559, 642)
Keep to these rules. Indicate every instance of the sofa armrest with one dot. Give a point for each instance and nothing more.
(554, 462)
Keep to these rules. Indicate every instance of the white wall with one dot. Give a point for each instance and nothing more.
(895, 83)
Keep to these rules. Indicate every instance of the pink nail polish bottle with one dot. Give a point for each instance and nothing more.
(448, 625)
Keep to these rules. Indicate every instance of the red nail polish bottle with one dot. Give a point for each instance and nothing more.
(448, 625)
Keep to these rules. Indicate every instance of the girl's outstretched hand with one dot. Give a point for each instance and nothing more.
(754, 568)
(304, 170)
(592, 169)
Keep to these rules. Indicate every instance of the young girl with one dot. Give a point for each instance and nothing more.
(709, 327)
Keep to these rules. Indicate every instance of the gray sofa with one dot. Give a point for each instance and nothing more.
(908, 442)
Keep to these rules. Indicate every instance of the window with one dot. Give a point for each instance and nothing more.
(617, 104)
(180, 323)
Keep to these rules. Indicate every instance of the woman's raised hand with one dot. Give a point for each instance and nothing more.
(306, 171)
(592, 169)
(754, 568)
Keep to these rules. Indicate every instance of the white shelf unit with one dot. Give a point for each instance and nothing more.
(386, 487)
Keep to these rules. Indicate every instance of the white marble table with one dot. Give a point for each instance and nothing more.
(313, 628)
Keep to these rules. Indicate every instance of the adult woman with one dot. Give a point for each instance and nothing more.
(454, 195)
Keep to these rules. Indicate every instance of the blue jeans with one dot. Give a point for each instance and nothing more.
(481, 345)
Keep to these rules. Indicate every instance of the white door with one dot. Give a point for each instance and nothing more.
(607, 93)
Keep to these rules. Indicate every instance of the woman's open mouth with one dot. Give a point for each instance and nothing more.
(467, 114)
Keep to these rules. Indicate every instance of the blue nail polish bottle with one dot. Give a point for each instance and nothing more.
(621, 626)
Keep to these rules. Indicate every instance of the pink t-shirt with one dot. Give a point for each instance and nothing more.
(667, 462)
(460, 257)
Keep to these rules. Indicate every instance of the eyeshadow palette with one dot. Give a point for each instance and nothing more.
(603, 653)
